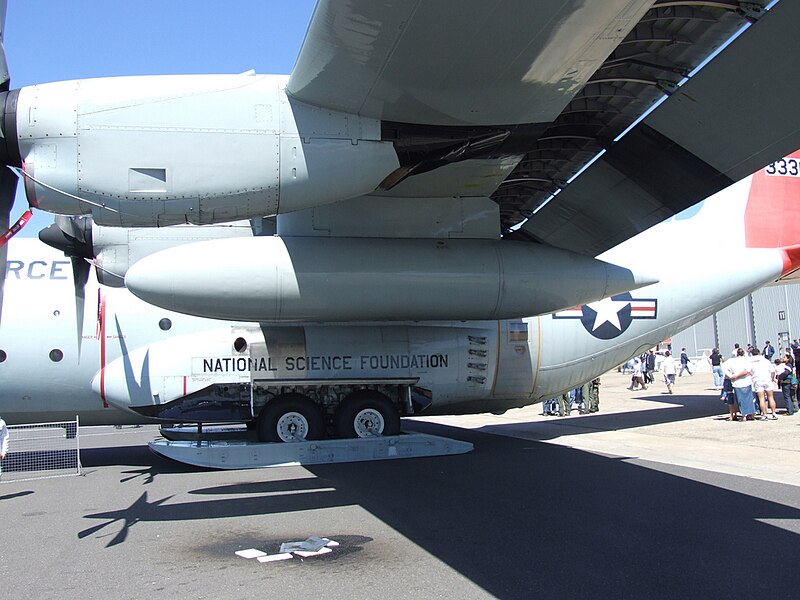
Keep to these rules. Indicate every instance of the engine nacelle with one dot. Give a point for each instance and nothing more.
(115, 249)
(156, 151)
(112, 250)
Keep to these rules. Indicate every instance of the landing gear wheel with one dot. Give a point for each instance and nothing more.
(290, 418)
(366, 414)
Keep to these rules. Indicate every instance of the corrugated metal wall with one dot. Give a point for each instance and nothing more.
(771, 313)
(769, 305)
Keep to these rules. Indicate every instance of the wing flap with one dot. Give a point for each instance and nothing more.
(733, 117)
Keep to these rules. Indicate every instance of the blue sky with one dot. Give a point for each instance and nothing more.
(54, 40)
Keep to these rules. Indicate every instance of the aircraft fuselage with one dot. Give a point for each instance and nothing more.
(133, 354)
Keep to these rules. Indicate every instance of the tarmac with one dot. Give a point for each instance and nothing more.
(687, 428)
(655, 496)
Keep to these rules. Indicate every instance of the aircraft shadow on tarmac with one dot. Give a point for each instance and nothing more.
(16, 495)
(521, 518)
(252, 501)
(686, 407)
(138, 455)
(524, 519)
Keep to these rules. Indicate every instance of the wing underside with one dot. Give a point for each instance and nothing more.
(457, 62)
(511, 99)
(733, 117)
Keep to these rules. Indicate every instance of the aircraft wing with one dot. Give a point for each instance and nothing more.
(516, 68)
(730, 119)
(457, 62)
(406, 122)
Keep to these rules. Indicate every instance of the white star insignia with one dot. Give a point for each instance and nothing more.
(607, 312)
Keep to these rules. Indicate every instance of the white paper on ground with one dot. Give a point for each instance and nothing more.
(274, 557)
(250, 553)
(306, 554)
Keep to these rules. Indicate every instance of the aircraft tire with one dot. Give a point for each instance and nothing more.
(289, 418)
(366, 414)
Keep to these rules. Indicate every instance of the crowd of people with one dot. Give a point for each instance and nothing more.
(643, 368)
(585, 398)
(748, 381)
(752, 381)
(749, 378)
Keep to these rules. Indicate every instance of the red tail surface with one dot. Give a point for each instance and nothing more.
(772, 215)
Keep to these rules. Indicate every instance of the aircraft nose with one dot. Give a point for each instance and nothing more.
(118, 386)
(108, 393)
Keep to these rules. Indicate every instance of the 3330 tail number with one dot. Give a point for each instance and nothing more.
(789, 167)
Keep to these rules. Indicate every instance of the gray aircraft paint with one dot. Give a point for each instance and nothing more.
(473, 366)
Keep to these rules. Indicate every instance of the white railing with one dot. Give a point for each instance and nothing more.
(42, 450)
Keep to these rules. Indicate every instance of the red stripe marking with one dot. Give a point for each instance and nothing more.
(791, 259)
(184, 385)
(102, 324)
(15, 228)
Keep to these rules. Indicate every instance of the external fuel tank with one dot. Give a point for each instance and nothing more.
(299, 279)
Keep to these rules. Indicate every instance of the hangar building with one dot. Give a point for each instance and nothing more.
(770, 313)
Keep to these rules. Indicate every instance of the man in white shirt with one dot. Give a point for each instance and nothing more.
(738, 370)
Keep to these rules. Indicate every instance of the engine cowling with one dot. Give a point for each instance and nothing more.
(156, 151)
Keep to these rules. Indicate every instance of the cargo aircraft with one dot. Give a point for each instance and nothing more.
(134, 361)
(426, 169)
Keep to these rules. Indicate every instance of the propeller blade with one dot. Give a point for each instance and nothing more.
(8, 185)
(80, 275)
(5, 78)
(8, 188)
(73, 236)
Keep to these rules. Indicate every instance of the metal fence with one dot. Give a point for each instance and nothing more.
(42, 450)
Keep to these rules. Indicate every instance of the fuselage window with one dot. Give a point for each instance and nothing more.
(517, 331)
(165, 324)
(3, 356)
(240, 344)
(56, 355)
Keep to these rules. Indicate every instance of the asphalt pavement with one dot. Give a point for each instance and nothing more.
(655, 496)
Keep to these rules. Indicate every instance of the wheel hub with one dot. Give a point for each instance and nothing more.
(369, 422)
(292, 427)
